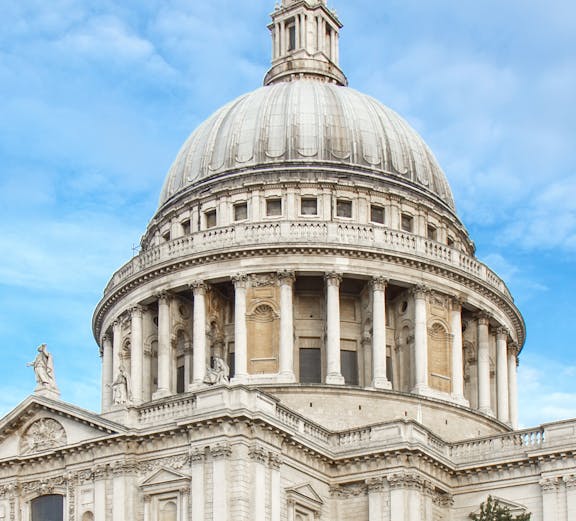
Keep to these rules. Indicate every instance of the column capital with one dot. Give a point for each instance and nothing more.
(286, 277)
(513, 348)
(164, 297)
(483, 318)
(199, 287)
(379, 283)
(502, 333)
(117, 324)
(333, 278)
(456, 301)
(105, 338)
(419, 291)
(137, 311)
(240, 280)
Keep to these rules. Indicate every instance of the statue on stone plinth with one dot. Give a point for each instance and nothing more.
(219, 374)
(43, 366)
(121, 393)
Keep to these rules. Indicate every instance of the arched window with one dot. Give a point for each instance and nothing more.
(50, 507)
(88, 516)
(168, 511)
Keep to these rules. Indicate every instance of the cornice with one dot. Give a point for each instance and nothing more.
(401, 258)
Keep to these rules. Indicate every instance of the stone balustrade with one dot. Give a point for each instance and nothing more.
(377, 238)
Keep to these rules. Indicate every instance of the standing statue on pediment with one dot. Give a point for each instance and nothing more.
(43, 366)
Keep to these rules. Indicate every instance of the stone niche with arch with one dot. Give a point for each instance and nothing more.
(166, 496)
(263, 325)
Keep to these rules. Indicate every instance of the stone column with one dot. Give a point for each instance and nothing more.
(376, 503)
(549, 488)
(457, 351)
(286, 280)
(333, 364)
(570, 483)
(199, 334)
(198, 491)
(484, 364)
(164, 346)
(240, 332)
(137, 355)
(220, 456)
(147, 500)
(502, 374)
(116, 347)
(379, 373)
(420, 340)
(513, 384)
(185, 501)
(275, 487)
(107, 372)
(258, 456)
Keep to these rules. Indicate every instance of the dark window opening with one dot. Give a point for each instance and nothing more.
(431, 232)
(291, 37)
(46, 508)
(180, 383)
(186, 227)
(309, 206)
(210, 217)
(407, 223)
(349, 362)
(310, 366)
(274, 207)
(377, 214)
(343, 208)
(240, 212)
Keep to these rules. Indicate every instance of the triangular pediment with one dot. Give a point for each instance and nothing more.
(306, 492)
(163, 476)
(515, 508)
(43, 425)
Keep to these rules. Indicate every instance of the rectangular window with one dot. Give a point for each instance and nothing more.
(431, 232)
(186, 227)
(349, 361)
(407, 223)
(310, 366)
(240, 212)
(377, 214)
(210, 217)
(450, 242)
(343, 208)
(166, 236)
(180, 384)
(274, 207)
(291, 37)
(309, 206)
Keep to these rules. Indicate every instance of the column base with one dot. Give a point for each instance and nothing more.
(241, 379)
(421, 389)
(460, 400)
(287, 378)
(486, 410)
(381, 383)
(161, 393)
(335, 379)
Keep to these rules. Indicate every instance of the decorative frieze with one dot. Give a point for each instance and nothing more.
(173, 462)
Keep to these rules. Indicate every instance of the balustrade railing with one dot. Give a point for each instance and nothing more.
(306, 232)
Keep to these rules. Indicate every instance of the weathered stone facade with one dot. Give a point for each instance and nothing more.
(306, 334)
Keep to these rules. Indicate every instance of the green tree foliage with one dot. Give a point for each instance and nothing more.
(491, 510)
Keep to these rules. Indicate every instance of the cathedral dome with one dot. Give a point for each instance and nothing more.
(307, 122)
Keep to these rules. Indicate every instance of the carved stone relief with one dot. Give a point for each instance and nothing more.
(43, 434)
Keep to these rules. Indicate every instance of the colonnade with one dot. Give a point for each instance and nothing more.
(506, 353)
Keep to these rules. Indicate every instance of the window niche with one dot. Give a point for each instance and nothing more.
(432, 232)
(304, 504)
(274, 207)
(407, 223)
(377, 214)
(309, 206)
(344, 208)
(240, 211)
(166, 496)
(210, 218)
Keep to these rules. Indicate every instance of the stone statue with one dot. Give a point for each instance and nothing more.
(121, 392)
(43, 366)
(219, 374)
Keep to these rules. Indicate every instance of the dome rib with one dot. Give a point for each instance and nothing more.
(306, 121)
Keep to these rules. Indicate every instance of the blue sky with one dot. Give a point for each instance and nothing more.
(96, 98)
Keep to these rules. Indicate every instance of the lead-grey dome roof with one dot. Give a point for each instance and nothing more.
(308, 122)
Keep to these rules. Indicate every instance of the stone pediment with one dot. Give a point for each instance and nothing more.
(305, 492)
(164, 476)
(515, 508)
(41, 425)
